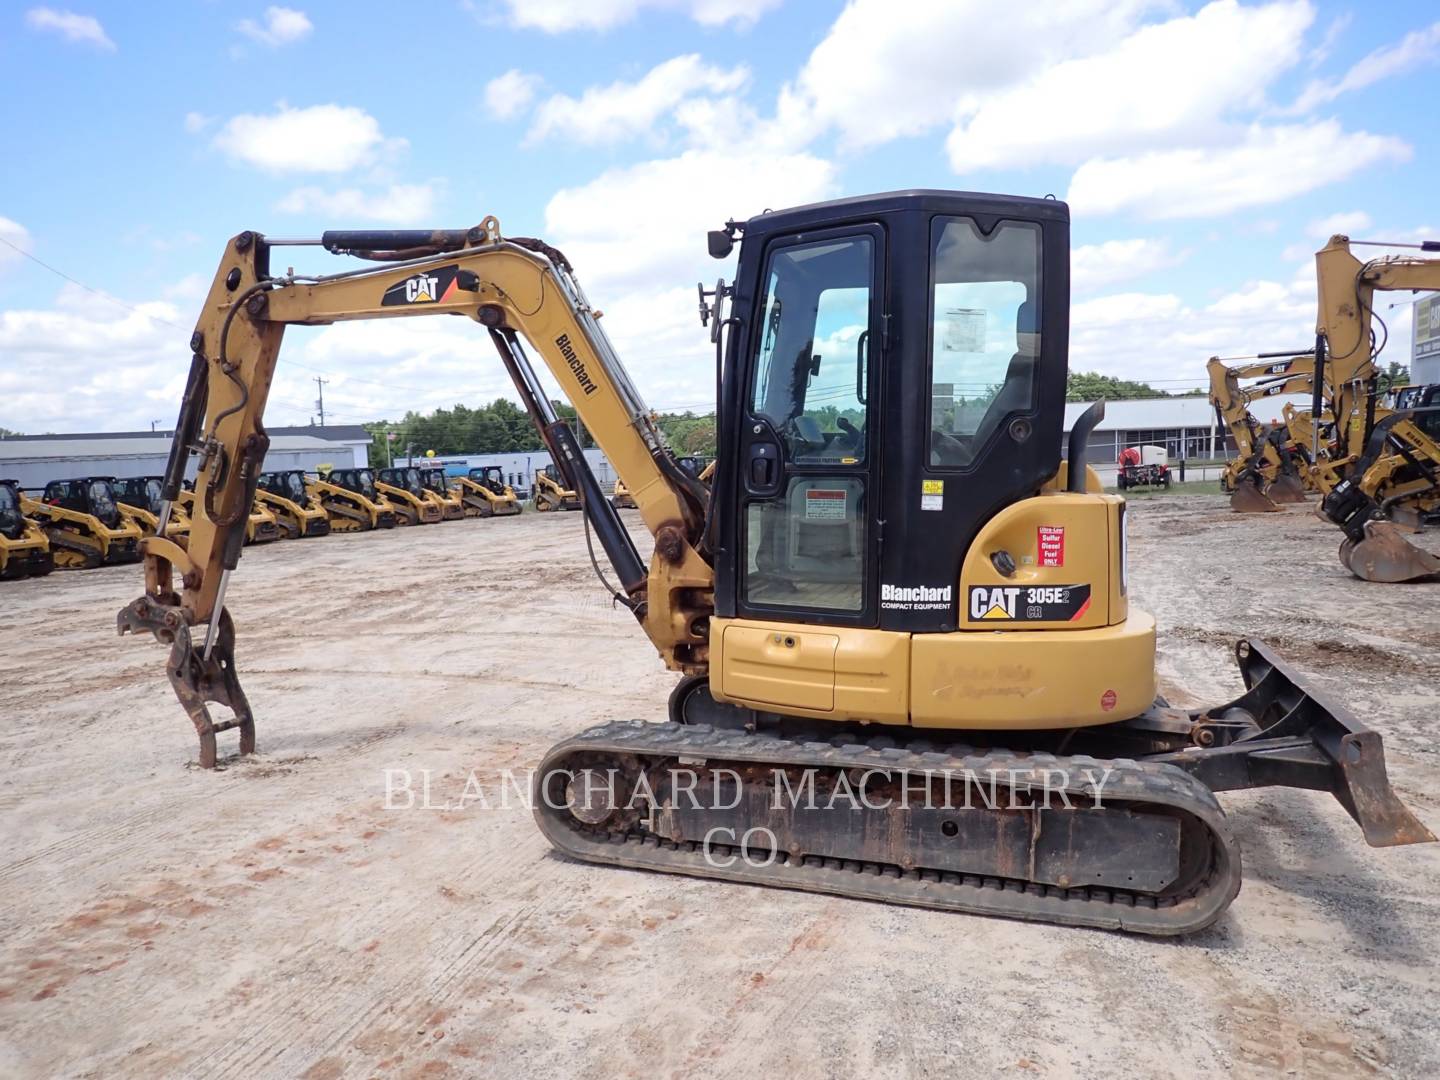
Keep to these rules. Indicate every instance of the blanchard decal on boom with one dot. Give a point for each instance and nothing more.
(576, 364)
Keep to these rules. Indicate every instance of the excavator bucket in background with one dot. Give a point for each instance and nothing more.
(1385, 555)
(1287, 488)
(1247, 498)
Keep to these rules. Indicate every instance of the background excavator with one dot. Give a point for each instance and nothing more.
(139, 496)
(485, 493)
(553, 491)
(296, 508)
(24, 547)
(1270, 466)
(1380, 467)
(407, 496)
(353, 501)
(919, 605)
(85, 523)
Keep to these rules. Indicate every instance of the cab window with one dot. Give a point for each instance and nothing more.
(985, 332)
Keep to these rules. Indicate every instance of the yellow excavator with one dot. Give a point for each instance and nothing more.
(139, 496)
(1381, 469)
(1270, 467)
(407, 496)
(485, 493)
(911, 668)
(85, 523)
(353, 501)
(552, 491)
(452, 507)
(296, 507)
(24, 547)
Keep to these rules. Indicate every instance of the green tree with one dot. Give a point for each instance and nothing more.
(1395, 374)
(1091, 386)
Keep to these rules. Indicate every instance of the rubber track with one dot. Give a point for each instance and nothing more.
(1107, 908)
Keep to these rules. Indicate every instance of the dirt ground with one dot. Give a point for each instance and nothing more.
(274, 919)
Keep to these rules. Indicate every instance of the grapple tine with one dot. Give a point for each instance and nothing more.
(1249, 499)
(1385, 555)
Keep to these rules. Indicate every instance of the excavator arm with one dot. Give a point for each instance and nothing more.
(519, 290)
(1265, 471)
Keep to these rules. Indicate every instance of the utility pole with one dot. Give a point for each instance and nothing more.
(320, 401)
(153, 423)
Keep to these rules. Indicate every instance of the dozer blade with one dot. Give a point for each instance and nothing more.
(1385, 555)
(1299, 739)
(1287, 488)
(1249, 499)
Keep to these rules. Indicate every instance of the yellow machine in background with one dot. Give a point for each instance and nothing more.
(85, 523)
(24, 547)
(888, 588)
(551, 493)
(485, 493)
(260, 524)
(621, 498)
(139, 496)
(452, 507)
(353, 501)
(1270, 466)
(297, 508)
(407, 496)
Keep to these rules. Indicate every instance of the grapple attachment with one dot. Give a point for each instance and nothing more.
(1385, 555)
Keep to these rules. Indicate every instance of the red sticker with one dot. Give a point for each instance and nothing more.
(1050, 543)
(1107, 700)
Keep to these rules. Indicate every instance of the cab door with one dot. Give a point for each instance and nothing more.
(810, 432)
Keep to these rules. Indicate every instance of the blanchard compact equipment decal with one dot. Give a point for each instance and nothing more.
(426, 287)
(1019, 603)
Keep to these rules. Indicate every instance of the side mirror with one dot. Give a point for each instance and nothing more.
(720, 243)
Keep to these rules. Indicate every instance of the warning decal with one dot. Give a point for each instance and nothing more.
(1050, 545)
(825, 504)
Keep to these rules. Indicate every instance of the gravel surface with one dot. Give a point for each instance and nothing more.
(275, 919)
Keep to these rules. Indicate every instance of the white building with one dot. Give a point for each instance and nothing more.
(35, 460)
(1186, 427)
(519, 468)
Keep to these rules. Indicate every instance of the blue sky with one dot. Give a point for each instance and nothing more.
(1206, 149)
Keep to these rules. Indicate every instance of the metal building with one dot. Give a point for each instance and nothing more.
(35, 460)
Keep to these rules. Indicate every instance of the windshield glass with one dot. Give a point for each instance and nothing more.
(365, 483)
(152, 494)
(102, 502)
(295, 485)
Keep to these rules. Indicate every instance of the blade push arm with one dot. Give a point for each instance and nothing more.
(517, 290)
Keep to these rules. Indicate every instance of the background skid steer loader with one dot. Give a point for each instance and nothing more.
(551, 492)
(85, 523)
(485, 493)
(452, 508)
(140, 497)
(297, 509)
(408, 496)
(24, 547)
(352, 501)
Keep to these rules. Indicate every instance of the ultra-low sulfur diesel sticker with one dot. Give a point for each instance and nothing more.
(426, 287)
(1029, 603)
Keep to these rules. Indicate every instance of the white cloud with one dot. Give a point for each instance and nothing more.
(559, 16)
(1100, 266)
(1417, 48)
(621, 110)
(85, 29)
(1171, 83)
(320, 138)
(881, 73)
(281, 26)
(1346, 223)
(398, 204)
(510, 94)
(12, 232)
(1266, 165)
